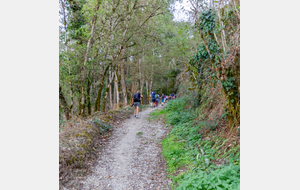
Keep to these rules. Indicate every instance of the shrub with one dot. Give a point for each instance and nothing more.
(209, 162)
(226, 177)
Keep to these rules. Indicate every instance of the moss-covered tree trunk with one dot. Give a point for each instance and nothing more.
(124, 93)
(88, 96)
(110, 93)
(110, 81)
(141, 80)
(116, 81)
(97, 102)
(147, 93)
(81, 102)
(63, 103)
(72, 101)
(119, 86)
(105, 98)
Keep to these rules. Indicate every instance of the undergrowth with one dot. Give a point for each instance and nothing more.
(196, 160)
(80, 142)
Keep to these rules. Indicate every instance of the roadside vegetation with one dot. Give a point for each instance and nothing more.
(199, 155)
(202, 150)
(81, 141)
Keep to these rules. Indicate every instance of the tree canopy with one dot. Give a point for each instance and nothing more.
(111, 49)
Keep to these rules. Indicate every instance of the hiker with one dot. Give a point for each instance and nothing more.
(137, 102)
(152, 96)
(167, 98)
(162, 99)
(156, 99)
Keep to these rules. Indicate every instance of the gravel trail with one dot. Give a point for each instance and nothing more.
(131, 159)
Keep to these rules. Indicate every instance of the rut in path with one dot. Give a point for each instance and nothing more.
(132, 159)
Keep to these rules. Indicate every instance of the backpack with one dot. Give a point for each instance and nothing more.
(153, 95)
(156, 95)
(135, 97)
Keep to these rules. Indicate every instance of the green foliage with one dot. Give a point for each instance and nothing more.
(148, 35)
(207, 21)
(175, 153)
(226, 177)
(102, 127)
(185, 147)
(217, 62)
(156, 114)
(176, 105)
(77, 20)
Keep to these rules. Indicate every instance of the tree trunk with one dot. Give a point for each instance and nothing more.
(72, 101)
(114, 94)
(141, 80)
(92, 32)
(97, 102)
(106, 92)
(63, 104)
(119, 86)
(88, 96)
(86, 57)
(110, 94)
(223, 36)
(67, 50)
(147, 89)
(117, 106)
(123, 79)
(151, 80)
(105, 97)
(81, 102)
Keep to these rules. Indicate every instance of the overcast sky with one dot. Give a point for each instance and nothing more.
(180, 10)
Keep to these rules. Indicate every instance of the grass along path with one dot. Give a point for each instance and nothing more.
(198, 160)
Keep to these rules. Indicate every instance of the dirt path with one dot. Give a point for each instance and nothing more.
(131, 159)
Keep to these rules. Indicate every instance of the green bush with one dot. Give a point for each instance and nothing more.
(102, 127)
(185, 148)
(224, 178)
(176, 105)
(175, 153)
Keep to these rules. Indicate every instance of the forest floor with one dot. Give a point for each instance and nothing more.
(131, 159)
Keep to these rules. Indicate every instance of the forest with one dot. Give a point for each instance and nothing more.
(109, 49)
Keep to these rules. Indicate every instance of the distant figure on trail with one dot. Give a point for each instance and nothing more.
(167, 98)
(136, 99)
(156, 99)
(162, 99)
(175, 95)
(152, 99)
